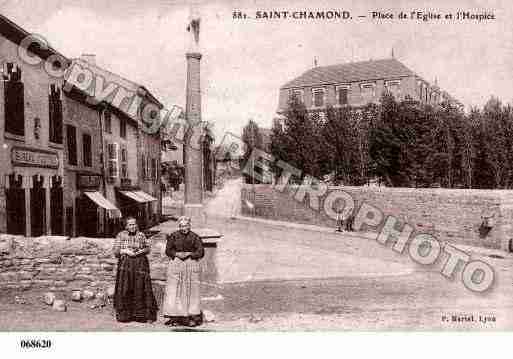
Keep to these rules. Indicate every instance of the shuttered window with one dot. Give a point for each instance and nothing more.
(112, 162)
(122, 128)
(86, 149)
(71, 136)
(143, 166)
(154, 169)
(55, 107)
(124, 164)
(107, 119)
(14, 100)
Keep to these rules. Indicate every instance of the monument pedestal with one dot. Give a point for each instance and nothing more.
(196, 212)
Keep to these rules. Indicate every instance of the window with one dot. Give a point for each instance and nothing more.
(318, 97)
(112, 161)
(367, 91)
(86, 147)
(124, 170)
(124, 155)
(107, 120)
(14, 101)
(71, 135)
(154, 169)
(124, 164)
(143, 167)
(149, 173)
(37, 128)
(55, 106)
(296, 95)
(394, 87)
(342, 92)
(122, 128)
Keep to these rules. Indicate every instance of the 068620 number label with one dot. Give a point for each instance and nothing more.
(35, 343)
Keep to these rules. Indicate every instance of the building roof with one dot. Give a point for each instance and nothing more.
(111, 77)
(118, 79)
(351, 72)
(16, 34)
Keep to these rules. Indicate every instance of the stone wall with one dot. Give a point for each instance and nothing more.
(453, 215)
(61, 264)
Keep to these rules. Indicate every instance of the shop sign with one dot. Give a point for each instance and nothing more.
(88, 181)
(22, 156)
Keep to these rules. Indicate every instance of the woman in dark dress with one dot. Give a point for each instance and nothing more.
(133, 297)
(182, 297)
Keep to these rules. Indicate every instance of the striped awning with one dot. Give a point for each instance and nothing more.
(138, 196)
(146, 196)
(133, 196)
(103, 202)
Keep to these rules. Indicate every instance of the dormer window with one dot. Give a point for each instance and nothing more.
(342, 92)
(319, 95)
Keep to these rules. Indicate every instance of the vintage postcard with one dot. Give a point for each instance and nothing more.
(255, 166)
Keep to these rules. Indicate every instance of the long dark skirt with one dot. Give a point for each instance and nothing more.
(133, 297)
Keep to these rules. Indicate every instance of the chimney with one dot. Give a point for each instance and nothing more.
(89, 58)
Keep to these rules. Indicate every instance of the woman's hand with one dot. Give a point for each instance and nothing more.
(183, 255)
(128, 252)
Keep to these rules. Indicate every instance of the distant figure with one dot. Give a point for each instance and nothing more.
(349, 223)
(345, 224)
(182, 296)
(133, 296)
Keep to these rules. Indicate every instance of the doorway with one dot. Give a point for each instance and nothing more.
(15, 206)
(56, 206)
(37, 207)
(87, 217)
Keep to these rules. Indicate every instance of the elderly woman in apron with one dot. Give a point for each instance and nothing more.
(133, 297)
(182, 296)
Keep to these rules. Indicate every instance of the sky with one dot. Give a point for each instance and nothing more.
(246, 61)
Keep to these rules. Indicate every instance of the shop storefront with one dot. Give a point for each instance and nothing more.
(34, 193)
(133, 202)
(95, 214)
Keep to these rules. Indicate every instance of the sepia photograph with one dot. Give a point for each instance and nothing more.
(255, 166)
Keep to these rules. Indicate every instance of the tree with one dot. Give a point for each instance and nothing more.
(252, 139)
(297, 141)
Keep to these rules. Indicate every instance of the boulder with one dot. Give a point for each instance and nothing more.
(55, 259)
(49, 298)
(76, 295)
(101, 296)
(208, 316)
(255, 318)
(59, 305)
(88, 295)
(98, 303)
(6, 244)
(19, 300)
(111, 290)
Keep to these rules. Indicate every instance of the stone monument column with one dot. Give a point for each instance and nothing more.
(193, 156)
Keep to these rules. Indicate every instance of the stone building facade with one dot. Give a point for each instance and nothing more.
(31, 156)
(359, 83)
(82, 166)
(70, 164)
(131, 154)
